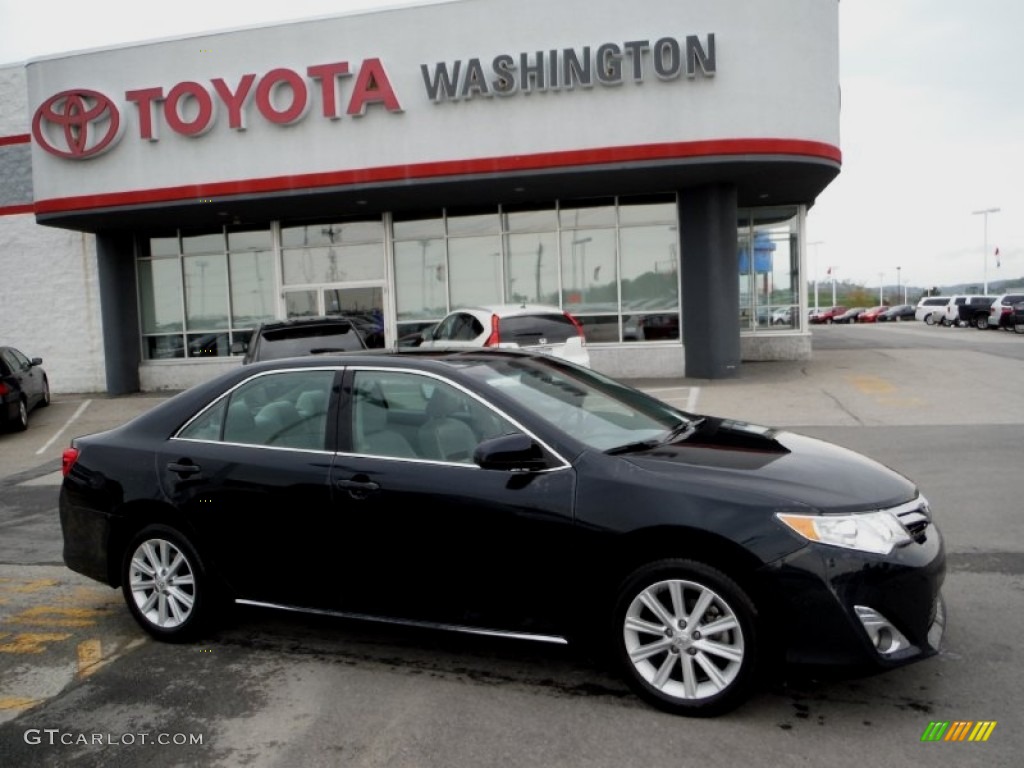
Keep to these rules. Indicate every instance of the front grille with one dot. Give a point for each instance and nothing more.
(915, 516)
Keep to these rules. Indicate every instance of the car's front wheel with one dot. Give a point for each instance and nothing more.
(982, 324)
(165, 584)
(21, 422)
(685, 638)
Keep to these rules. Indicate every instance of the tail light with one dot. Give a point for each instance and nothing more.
(67, 460)
(578, 325)
(495, 338)
(4, 389)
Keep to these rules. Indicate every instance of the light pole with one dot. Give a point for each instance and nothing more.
(898, 294)
(985, 214)
(881, 288)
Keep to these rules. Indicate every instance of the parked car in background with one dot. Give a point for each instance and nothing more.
(827, 315)
(966, 311)
(783, 316)
(871, 315)
(509, 494)
(528, 326)
(23, 386)
(1001, 314)
(928, 307)
(898, 313)
(300, 336)
(1018, 317)
(849, 316)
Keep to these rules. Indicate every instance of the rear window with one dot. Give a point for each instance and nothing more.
(551, 328)
(308, 340)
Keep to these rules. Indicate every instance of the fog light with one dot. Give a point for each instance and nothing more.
(884, 636)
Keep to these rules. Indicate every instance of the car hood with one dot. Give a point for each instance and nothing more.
(788, 467)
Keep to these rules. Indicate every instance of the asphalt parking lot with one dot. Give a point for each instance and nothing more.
(280, 690)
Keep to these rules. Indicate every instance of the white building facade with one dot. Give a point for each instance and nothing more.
(646, 167)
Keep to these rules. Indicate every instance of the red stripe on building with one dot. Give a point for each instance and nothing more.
(543, 161)
(21, 138)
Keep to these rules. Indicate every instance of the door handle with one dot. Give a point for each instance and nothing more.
(184, 468)
(357, 489)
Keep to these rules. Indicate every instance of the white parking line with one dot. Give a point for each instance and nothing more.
(63, 429)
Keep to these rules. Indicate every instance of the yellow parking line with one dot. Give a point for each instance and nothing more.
(873, 385)
(90, 654)
(16, 702)
(31, 642)
(25, 587)
(54, 616)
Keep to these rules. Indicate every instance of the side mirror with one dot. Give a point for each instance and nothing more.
(510, 453)
(36, 361)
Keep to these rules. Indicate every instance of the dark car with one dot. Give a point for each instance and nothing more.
(23, 386)
(898, 313)
(849, 316)
(509, 493)
(1018, 317)
(304, 336)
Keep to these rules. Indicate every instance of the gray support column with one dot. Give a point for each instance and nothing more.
(710, 283)
(115, 257)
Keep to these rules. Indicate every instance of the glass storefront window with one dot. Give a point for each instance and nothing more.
(335, 264)
(589, 277)
(421, 282)
(345, 233)
(256, 240)
(475, 266)
(160, 295)
(252, 287)
(769, 267)
(531, 268)
(650, 268)
(418, 228)
(206, 292)
(588, 213)
(203, 243)
(530, 220)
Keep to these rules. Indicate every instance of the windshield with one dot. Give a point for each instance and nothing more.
(592, 408)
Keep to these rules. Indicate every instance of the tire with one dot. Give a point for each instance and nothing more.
(1018, 328)
(982, 324)
(165, 584)
(21, 423)
(45, 400)
(661, 650)
(929, 319)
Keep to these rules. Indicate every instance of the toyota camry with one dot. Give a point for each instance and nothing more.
(508, 493)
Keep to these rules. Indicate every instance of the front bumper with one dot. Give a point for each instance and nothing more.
(844, 608)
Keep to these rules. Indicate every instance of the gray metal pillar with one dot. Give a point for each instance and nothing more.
(115, 256)
(710, 281)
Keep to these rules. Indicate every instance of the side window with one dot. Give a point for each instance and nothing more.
(446, 329)
(285, 410)
(467, 328)
(410, 416)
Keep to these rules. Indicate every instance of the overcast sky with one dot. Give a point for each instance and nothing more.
(932, 121)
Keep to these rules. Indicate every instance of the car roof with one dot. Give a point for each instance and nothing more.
(512, 310)
(298, 322)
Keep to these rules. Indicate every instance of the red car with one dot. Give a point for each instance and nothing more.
(827, 315)
(871, 315)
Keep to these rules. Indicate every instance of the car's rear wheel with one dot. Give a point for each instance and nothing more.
(21, 422)
(1019, 328)
(929, 319)
(685, 638)
(165, 584)
(45, 399)
(982, 323)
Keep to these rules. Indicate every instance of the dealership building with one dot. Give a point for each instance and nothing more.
(647, 167)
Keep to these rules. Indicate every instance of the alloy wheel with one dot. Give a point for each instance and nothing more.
(162, 584)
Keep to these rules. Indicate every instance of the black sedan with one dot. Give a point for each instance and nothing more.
(505, 493)
(23, 386)
(898, 313)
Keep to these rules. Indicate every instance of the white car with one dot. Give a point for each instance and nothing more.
(531, 326)
(931, 308)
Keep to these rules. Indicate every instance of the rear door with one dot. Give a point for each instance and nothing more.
(252, 475)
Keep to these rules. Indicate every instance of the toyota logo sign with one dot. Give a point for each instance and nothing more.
(77, 124)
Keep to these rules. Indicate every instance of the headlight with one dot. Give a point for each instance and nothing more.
(878, 532)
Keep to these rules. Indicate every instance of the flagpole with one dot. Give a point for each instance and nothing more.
(984, 214)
